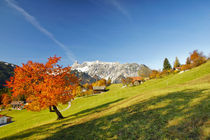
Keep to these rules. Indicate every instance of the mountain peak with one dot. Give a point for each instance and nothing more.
(106, 70)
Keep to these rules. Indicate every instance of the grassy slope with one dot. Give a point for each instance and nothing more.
(175, 106)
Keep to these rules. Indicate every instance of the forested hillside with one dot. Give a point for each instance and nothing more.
(6, 70)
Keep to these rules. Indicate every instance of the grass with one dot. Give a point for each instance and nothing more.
(172, 107)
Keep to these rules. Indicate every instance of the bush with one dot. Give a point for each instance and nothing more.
(176, 71)
(154, 74)
(101, 82)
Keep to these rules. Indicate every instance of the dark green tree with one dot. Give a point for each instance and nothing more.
(166, 65)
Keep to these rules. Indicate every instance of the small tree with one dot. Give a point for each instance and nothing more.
(86, 86)
(6, 99)
(101, 82)
(154, 74)
(123, 81)
(79, 91)
(177, 63)
(185, 67)
(44, 85)
(126, 81)
(188, 61)
(4, 91)
(109, 82)
(166, 65)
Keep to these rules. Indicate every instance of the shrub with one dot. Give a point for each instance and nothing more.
(154, 74)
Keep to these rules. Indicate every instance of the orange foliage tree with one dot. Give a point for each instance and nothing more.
(101, 82)
(109, 82)
(127, 81)
(44, 85)
(185, 67)
(197, 58)
(6, 99)
(154, 74)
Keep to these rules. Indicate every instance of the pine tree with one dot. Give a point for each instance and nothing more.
(177, 63)
(166, 65)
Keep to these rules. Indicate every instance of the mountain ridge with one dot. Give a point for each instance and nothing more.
(113, 70)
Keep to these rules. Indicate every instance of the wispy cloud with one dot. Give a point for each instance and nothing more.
(116, 4)
(120, 8)
(38, 26)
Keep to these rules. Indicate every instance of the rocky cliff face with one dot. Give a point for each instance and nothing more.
(84, 77)
(113, 70)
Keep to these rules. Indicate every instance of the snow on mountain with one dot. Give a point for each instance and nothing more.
(113, 70)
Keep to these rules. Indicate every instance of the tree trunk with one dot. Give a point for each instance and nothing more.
(60, 116)
(50, 108)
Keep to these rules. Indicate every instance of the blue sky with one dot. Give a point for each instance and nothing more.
(140, 31)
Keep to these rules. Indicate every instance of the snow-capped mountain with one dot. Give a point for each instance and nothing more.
(113, 70)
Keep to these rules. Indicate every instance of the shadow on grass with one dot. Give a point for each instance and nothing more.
(178, 115)
(2, 125)
(45, 128)
(93, 110)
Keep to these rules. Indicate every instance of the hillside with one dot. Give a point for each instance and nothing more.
(173, 107)
(6, 70)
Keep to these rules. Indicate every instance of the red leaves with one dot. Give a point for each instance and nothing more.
(43, 85)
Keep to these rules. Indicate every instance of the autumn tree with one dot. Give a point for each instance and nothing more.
(123, 81)
(84, 90)
(197, 58)
(127, 81)
(101, 82)
(166, 65)
(6, 99)
(79, 91)
(90, 87)
(154, 74)
(177, 63)
(185, 67)
(188, 61)
(44, 85)
(4, 91)
(109, 81)
(86, 86)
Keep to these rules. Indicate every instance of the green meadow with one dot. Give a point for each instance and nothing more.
(174, 107)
